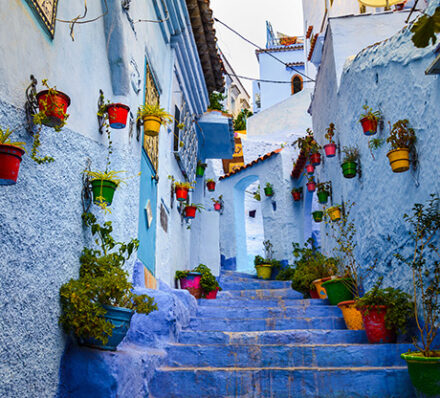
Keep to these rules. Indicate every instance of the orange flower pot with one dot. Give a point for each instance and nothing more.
(352, 316)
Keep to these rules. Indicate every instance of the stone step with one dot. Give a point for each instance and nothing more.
(255, 284)
(261, 294)
(239, 276)
(287, 355)
(277, 337)
(252, 302)
(293, 311)
(257, 324)
(255, 382)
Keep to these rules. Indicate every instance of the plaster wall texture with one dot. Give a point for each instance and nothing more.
(388, 76)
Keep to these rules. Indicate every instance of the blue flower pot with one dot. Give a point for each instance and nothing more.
(120, 318)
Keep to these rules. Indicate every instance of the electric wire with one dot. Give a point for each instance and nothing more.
(265, 80)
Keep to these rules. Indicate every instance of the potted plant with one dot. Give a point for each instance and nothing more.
(350, 161)
(97, 307)
(309, 147)
(240, 120)
(268, 189)
(330, 148)
(296, 194)
(310, 267)
(190, 280)
(190, 210)
(217, 203)
(153, 116)
(402, 139)
(334, 212)
(208, 282)
(180, 188)
(200, 169)
(384, 312)
(310, 169)
(369, 120)
(104, 184)
(115, 114)
(424, 363)
(52, 105)
(210, 184)
(323, 191)
(264, 265)
(318, 215)
(10, 157)
(311, 185)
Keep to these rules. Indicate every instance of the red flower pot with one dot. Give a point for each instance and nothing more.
(217, 206)
(374, 322)
(314, 294)
(211, 186)
(310, 169)
(117, 115)
(311, 186)
(10, 159)
(369, 126)
(181, 194)
(296, 196)
(190, 211)
(54, 106)
(211, 295)
(315, 158)
(330, 150)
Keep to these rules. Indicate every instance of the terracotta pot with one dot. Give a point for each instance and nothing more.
(352, 316)
(315, 158)
(10, 159)
(310, 169)
(181, 194)
(152, 125)
(374, 322)
(190, 211)
(211, 186)
(399, 159)
(211, 295)
(54, 106)
(369, 126)
(311, 186)
(330, 150)
(117, 115)
(296, 196)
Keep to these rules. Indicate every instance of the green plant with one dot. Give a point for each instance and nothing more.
(240, 120)
(425, 28)
(210, 180)
(399, 306)
(310, 264)
(257, 194)
(198, 206)
(259, 260)
(310, 178)
(201, 164)
(374, 144)
(351, 154)
(307, 144)
(178, 184)
(208, 282)
(215, 101)
(424, 262)
(154, 110)
(323, 187)
(4, 139)
(369, 114)
(401, 135)
(268, 185)
(286, 274)
(299, 190)
(330, 133)
(102, 281)
(180, 126)
(182, 274)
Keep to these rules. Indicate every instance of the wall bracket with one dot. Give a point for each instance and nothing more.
(31, 105)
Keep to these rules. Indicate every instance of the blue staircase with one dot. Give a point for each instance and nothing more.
(262, 339)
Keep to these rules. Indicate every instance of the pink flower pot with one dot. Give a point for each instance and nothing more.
(330, 150)
(311, 186)
(310, 169)
(211, 295)
(192, 284)
(217, 206)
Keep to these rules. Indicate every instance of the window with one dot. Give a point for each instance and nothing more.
(297, 84)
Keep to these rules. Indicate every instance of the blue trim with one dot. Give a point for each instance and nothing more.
(228, 264)
(40, 23)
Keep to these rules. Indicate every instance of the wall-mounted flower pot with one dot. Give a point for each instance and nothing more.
(399, 160)
(369, 126)
(374, 322)
(330, 150)
(322, 293)
(120, 319)
(315, 158)
(334, 213)
(349, 169)
(424, 373)
(310, 169)
(211, 186)
(268, 191)
(152, 125)
(211, 295)
(200, 170)
(352, 316)
(317, 216)
(190, 211)
(54, 106)
(311, 186)
(192, 284)
(323, 197)
(117, 115)
(103, 191)
(264, 271)
(338, 290)
(217, 206)
(10, 159)
(296, 196)
(181, 194)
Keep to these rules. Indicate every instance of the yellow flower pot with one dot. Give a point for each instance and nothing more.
(399, 159)
(152, 125)
(264, 271)
(352, 316)
(334, 213)
(318, 285)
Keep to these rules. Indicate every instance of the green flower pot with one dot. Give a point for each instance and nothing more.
(424, 373)
(103, 191)
(317, 216)
(337, 290)
(322, 197)
(200, 170)
(349, 169)
(268, 191)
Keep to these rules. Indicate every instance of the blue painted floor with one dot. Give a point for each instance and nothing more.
(261, 339)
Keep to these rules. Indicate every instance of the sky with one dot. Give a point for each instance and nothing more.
(248, 17)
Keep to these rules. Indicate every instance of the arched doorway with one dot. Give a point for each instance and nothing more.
(296, 84)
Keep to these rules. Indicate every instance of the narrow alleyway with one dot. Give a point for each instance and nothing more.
(262, 339)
